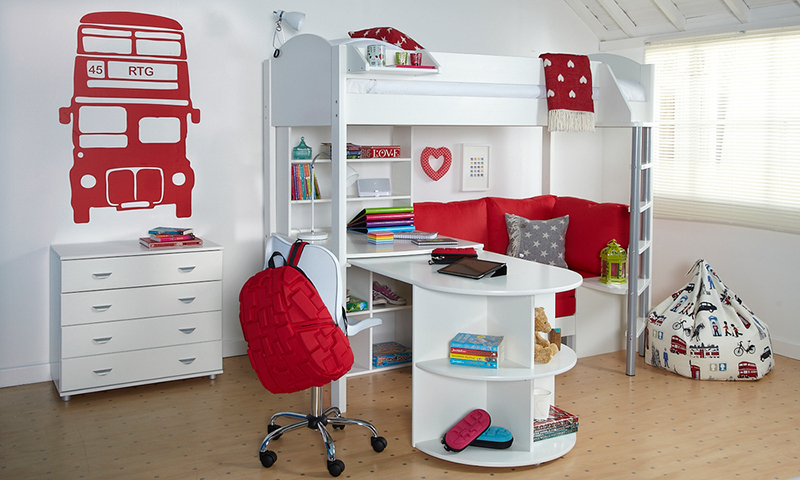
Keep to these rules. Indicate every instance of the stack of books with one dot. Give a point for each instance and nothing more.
(383, 219)
(477, 350)
(301, 182)
(160, 237)
(380, 238)
(353, 150)
(559, 423)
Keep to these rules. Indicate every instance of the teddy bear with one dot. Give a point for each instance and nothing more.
(543, 350)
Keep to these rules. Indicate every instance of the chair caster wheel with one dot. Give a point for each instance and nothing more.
(338, 427)
(267, 458)
(272, 428)
(378, 443)
(335, 468)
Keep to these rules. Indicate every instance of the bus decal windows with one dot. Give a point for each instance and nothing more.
(120, 46)
(159, 48)
(162, 35)
(106, 32)
(103, 141)
(159, 130)
(102, 119)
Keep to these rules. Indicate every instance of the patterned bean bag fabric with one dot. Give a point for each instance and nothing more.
(704, 331)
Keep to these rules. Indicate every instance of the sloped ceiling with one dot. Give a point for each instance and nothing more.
(615, 21)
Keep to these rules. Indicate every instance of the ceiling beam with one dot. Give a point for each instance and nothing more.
(619, 16)
(590, 20)
(739, 9)
(673, 14)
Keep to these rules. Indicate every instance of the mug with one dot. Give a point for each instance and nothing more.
(376, 55)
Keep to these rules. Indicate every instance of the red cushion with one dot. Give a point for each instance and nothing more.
(389, 35)
(463, 219)
(565, 303)
(535, 208)
(591, 226)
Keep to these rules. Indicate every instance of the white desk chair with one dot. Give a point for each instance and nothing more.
(323, 270)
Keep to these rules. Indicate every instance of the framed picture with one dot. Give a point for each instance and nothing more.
(475, 168)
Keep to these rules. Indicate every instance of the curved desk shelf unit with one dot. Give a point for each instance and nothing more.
(442, 394)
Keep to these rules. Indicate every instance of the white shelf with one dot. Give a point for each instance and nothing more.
(542, 451)
(564, 360)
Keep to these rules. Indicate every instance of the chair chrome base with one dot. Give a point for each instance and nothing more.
(317, 420)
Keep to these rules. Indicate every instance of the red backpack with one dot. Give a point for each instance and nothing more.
(293, 342)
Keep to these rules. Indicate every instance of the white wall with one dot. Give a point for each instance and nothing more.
(226, 44)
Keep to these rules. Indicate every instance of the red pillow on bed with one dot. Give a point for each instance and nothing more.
(389, 35)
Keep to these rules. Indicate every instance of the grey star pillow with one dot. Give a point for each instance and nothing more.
(537, 240)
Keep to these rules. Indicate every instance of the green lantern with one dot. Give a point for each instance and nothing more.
(613, 264)
(301, 151)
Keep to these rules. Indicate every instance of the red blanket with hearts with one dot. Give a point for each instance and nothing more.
(568, 79)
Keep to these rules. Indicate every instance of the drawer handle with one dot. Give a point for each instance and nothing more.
(101, 308)
(187, 269)
(103, 372)
(101, 341)
(187, 361)
(187, 331)
(187, 299)
(101, 276)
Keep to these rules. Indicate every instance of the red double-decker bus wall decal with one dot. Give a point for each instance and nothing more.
(129, 113)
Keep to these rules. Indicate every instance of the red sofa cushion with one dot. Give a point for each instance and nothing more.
(565, 303)
(464, 219)
(591, 226)
(535, 208)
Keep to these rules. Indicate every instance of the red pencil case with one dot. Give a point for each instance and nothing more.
(466, 430)
(441, 256)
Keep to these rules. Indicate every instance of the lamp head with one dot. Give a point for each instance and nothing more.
(294, 19)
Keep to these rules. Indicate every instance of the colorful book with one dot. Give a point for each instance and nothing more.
(171, 231)
(170, 238)
(472, 363)
(149, 243)
(399, 228)
(492, 343)
(479, 358)
(472, 351)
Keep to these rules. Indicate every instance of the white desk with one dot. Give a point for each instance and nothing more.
(444, 305)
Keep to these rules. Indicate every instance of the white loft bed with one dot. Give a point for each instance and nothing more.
(460, 89)
(316, 82)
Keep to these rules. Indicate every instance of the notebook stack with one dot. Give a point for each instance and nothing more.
(477, 350)
(383, 220)
(559, 423)
(380, 238)
(160, 237)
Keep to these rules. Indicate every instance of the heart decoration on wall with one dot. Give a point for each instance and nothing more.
(425, 160)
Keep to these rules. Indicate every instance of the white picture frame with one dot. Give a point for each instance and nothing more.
(474, 168)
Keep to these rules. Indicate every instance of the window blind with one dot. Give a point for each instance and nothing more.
(727, 145)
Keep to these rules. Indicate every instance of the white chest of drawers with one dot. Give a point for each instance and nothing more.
(123, 315)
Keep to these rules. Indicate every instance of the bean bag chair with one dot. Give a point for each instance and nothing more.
(704, 331)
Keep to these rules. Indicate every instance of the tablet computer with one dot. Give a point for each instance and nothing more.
(474, 268)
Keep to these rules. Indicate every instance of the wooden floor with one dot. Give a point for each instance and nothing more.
(652, 425)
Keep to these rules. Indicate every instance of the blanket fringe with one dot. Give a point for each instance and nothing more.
(570, 121)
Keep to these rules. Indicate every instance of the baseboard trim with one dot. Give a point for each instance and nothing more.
(12, 377)
(786, 348)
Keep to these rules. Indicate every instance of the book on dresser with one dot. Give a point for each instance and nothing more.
(560, 422)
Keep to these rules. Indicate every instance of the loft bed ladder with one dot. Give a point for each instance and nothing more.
(640, 246)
